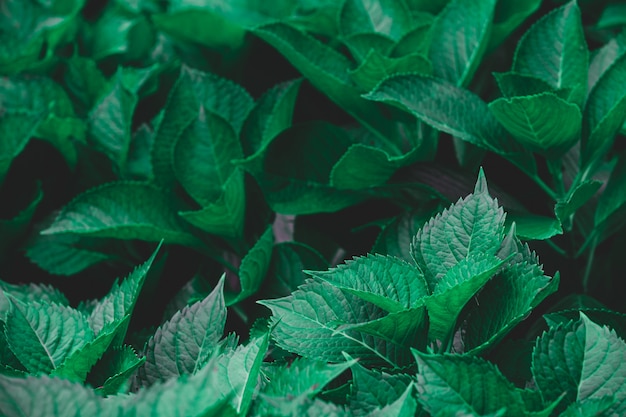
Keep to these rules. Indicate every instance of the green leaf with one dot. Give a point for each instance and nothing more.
(376, 67)
(604, 112)
(612, 15)
(238, 373)
(184, 343)
(16, 129)
(42, 335)
(452, 291)
(123, 210)
(372, 389)
(27, 294)
(603, 58)
(513, 84)
(327, 70)
(115, 369)
(16, 227)
(526, 118)
(390, 283)
(554, 49)
(84, 80)
(584, 361)
(396, 236)
(203, 155)
(534, 227)
(464, 384)
(575, 199)
(361, 44)
(456, 58)
(452, 110)
(613, 196)
(404, 406)
(593, 407)
(417, 40)
(306, 323)
(271, 115)
(110, 122)
(473, 225)
(387, 17)
(254, 267)
(509, 15)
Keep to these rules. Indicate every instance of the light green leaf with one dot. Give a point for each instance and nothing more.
(361, 44)
(452, 291)
(306, 323)
(464, 384)
(115, 369)
(254, 267)
(387, 17)
(473, 225)
(455, 58)
(613, 197)
(376, 67)
(604, 111)
(110, 122)
(526, 118)
(42, 335)
(584, 360)
(388, 282)
(238, 373)
(184, 343)
(575, 199)
(534, 227)
(123, 210)
(327, 70)
(554, 49)
(404, 406)
(603, 58)
(27, 294)
(452, 110)
(119, 303)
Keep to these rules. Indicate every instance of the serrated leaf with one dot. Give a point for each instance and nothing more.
(455, 58)
(120, 301)
(404, 406)
(526, 119)
(455, 289)
(593, 407)
(376, 67)
(306, 323)
(604, 111)
(203, 155)
(390, 283)
(554, 49)
(184, 343)
(464, 384)
(42, 335)
(452, 110)
(29, 293)
(115, 369)
(387, 17)
(123, 210)
(254, 267)
(583, 360)
(473, 225)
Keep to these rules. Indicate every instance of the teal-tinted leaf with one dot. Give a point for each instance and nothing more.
(603, 58)
(27, 294)
(464, 385)
(534, 227)
(286, 271)
(16, 129)
(388, 17)
(139, 162)
(42, 335)
(203, 155)
(120, 301)
(594, 310)
(202, 22)
(376, 67)
(123, 210)
(593, 407)
(184, 343)
(452, 110)
(271, 115)
(554, 49)
(473, 225)
(238, 373)
(361, 44)
(417, 40)
(613, 197)
(254, 267)
(77, 365)
(584, 361)
(327, 70)
(110, 122)
(84, 80)
(612, 15)
(455, 289)
(526, 119)
(575, 199)
(390, 283)
(306, 323)
(512, 84)
(16, 227)
(372, 389)
(604, 111)
(404, 406)
(115, 369)
(396, 236)
(509, 15)
(45, 397)
(455, 58)
(66, 254)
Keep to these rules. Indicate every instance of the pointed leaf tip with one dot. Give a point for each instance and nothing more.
(481, 183)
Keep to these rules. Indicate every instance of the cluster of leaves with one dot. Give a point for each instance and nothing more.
(252, 151)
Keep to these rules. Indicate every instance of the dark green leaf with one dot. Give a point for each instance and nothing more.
(376, 67)
(512, 84)
(575, 199)
(16, 129)
(372, 389)
(115, 369)
(509, 15)
(612, 15)
(534, 227)
(387, 17)
(14, 228)
(613, 197)
(361, 44)
(603, 58)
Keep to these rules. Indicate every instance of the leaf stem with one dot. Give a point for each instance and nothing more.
(557, 248)
(554, 166)
(586, 276)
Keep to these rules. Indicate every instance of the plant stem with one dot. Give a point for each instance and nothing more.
(592, 251)
(554, 166)
(557, 248)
